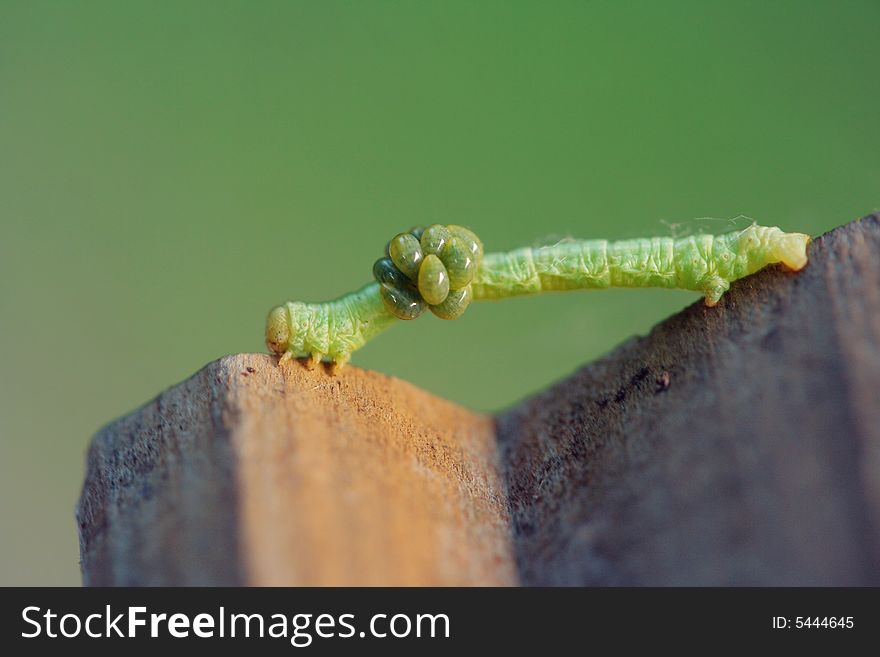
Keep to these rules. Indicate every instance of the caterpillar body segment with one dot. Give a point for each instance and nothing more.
(444, 268)
(704, 263)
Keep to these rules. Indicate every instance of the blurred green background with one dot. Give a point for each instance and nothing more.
(170, 170)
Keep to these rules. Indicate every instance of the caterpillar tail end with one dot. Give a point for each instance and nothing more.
(791, 250)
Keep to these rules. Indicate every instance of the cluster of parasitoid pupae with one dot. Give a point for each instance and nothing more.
(429, 268)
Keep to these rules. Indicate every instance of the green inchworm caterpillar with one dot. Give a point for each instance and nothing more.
(442, 268)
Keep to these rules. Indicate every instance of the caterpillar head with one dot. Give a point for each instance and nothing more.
(278, 330)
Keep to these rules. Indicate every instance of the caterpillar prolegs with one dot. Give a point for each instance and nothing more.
(442, 268)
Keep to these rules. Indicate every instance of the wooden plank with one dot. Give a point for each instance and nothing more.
(253, 474)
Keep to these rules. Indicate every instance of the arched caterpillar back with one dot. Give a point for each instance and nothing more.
(443, 268)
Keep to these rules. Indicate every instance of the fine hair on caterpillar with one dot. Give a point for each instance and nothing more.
(709, 225)
(444, 268)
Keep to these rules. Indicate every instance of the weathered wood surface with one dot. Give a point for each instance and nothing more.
(250, 473)
(733, 445)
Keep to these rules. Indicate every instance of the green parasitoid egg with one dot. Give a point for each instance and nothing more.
(454, 305)
(469, 238)
(403, 303)
(406, 253)
(460, 262)
(435, 238)
(386, 273)
(417, 232)
(433, 280)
